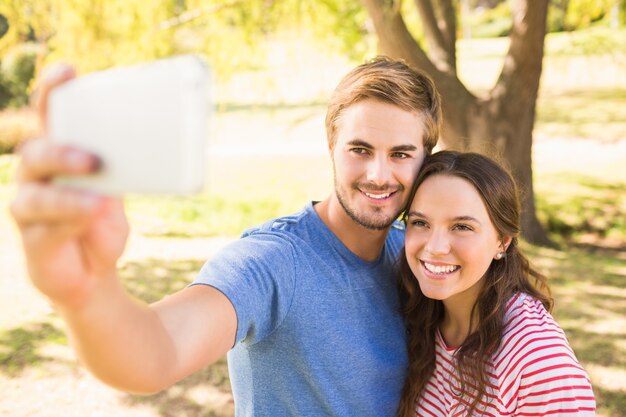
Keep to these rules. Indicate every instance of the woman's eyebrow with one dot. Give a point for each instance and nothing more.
(464, 218)
(415, 214)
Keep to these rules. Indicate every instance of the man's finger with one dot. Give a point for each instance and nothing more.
(51, 77)
(43, 203)
(42, 160)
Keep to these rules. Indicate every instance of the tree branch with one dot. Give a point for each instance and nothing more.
(436, 32)
(193, 14)
(447, 25)
(394, 37)
(523, 63)
(396, 41)
(434, 36)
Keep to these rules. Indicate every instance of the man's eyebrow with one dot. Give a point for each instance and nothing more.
(360, 143)
(400, 148)
(405, 148)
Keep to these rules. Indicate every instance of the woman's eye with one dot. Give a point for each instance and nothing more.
(462, 227)
(418, 223)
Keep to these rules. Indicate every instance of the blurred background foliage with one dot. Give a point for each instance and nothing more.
(249, 36)
(97, 34)
(241, 37)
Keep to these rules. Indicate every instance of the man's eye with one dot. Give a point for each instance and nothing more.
(400, 155)
(360, 151)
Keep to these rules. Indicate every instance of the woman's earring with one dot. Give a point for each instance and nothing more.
(499, 255)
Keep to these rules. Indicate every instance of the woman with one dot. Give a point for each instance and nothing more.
(481, 338)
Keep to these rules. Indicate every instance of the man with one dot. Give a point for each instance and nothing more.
(306, 304)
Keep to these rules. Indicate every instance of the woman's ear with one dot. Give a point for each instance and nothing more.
(502, 247)
(506, 241)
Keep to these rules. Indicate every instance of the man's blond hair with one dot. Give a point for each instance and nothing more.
(392, 82)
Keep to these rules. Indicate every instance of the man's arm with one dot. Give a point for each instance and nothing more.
(72, 242)
(143, 349)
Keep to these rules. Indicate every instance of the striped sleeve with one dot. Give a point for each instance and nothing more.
(550, 381)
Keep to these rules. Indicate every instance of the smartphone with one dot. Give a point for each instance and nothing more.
(147, 123)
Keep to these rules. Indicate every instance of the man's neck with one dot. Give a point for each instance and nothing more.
(363, 242)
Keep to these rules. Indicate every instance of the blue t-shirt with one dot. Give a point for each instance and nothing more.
(319, 330)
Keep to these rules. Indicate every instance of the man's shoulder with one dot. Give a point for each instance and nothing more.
(396, 234)
(397, 227)
(281, 226)
(273, 241)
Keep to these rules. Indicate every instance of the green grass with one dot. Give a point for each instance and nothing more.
(198, 216)
(15, 127)
(35, 346)
(589, 288)
(592, 41)
(21, 347)
(581, 43)
(242, 191)
(8, 164)
(228, 210)
(582, 209)
(594, 113)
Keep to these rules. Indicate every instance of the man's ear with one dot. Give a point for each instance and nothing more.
(331, 146)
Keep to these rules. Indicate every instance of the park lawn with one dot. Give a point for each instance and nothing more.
(587, 272)
(581, 113)
(589, 288)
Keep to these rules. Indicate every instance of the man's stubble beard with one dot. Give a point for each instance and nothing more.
(363, 220)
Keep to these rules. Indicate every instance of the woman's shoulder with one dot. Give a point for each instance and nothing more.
(532, 339)
(525, 312)
(535, 357)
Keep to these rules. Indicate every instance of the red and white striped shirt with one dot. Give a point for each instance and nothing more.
(534, 372)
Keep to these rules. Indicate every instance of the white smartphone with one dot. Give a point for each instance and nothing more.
(147, 123)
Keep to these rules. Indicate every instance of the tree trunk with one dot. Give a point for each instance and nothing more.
(499, 124)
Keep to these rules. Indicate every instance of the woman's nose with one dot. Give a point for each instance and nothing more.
(438, 243)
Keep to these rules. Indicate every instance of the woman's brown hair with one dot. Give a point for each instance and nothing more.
(504, 278)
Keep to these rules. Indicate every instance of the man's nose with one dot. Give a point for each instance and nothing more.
(379, 170)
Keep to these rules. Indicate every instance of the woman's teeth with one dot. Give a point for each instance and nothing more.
(440, 269)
